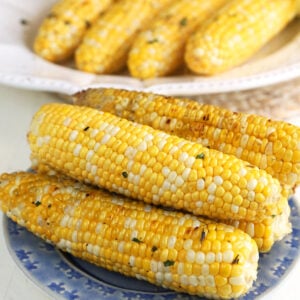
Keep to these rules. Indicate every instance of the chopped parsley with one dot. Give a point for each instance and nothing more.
(169, 263)
(136, 240)
(125, 174)
(200, 156)
(183, 22)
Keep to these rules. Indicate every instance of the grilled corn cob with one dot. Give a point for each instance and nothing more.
(159, 50)
(270, 145)
(235, 33)
(106, 44)
(170, 249)
(150, 165)
(63, 28)
(265, 233)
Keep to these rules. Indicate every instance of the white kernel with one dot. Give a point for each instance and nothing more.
(171, 241)
(179, 181)
(205, 269)
(243, 172)
(77, 149)
(73, 135)
(199, 204)
(211, 187)
(200, 184)
(94, 132)
(251, 195)
(200, 257)
(210, 257)
(165, 171)
(159, 276)
(114, 130)
(228, 256)
(201, 280)
(210, 281)
(129, 223)
(240, 280)
(251, 185)
(94, 169)
(64, 221)
(74, 236)
(183, 156)
(218, 180)
(199, 52)
(190, 161)
(184, 280)
(190, 255)
(234, 209)
(250, 229)
(105, 138)
(244, 141)
(142, 146)
(98, 228)
(147, 207)
(131, 260)
(185, 174)
(193, 280)
(121, 247)
(219, 257)
(153, 266)
(169, 277)
(130, 152)
(172, 176)
(239, 152)
(96, 147)
(187, 244)
(173, 188)
(67, 121)
(90, 154)
(180, 268)
(211, 198)
(269, 148)
(173, 149)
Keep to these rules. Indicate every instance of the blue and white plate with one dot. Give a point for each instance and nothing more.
(66, 277)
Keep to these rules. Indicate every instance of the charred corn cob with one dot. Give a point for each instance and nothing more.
(264, 233)
(235, 33)
(63, 28)
(271, 145)
(170, 249)
(150, 165)
(159, 50)
(106, 44)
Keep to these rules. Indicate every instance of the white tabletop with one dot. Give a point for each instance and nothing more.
(17, 107)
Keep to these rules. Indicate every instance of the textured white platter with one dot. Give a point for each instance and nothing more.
(279, 61)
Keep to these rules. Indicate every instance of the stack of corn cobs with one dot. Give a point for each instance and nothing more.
(155, 38)
(168, 190)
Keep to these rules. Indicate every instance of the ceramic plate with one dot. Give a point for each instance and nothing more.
(65, 277)
(20, 67)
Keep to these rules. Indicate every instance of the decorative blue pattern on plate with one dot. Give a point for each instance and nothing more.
(71, 278)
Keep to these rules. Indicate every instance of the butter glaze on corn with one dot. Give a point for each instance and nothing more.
(106, 44)
(159, 50)
(265, 233)
(235, 33)
(271, 145)
(63, 28)
(170, 249)
(150, 165)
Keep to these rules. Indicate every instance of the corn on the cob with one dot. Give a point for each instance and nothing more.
(63, 28)
(159, 50)
(235, 33)
(170, 249)
(106, 44)
(264, 233)
(270, 145)
(150, 165)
